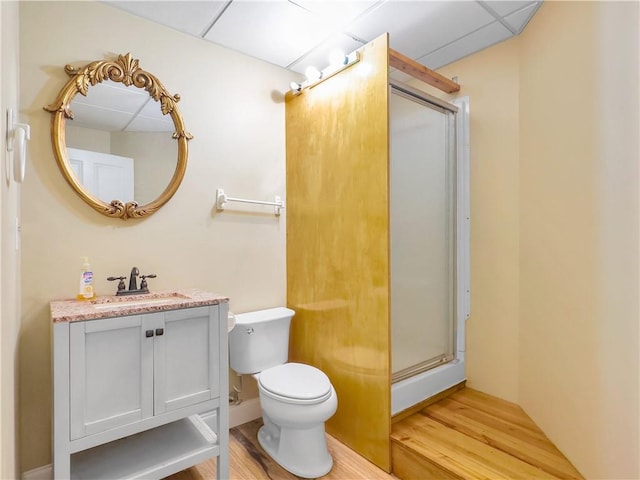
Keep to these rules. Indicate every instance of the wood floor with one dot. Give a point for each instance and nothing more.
(471, 435)
(248, 461)
(467, 435)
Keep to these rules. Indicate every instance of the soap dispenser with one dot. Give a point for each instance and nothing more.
(85, 288)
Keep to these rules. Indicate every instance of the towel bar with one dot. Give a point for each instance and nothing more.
(222, 198)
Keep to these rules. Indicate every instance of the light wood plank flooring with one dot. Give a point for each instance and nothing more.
(467, 435)
(248, 461)
(471, 435)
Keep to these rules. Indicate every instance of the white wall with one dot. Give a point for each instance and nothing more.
(232, 105)
(9, 255)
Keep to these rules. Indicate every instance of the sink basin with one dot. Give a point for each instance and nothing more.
(144, 299)
(129, 304)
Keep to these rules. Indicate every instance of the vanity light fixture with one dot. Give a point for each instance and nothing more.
(337, 58)
(312, 74)
(338, 61)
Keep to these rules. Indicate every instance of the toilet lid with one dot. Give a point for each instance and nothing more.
(296, 381)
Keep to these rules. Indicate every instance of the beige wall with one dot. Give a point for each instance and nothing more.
(490, 80)
(579, 232)
(554, 198)
(554, 239)
(88, 139)
(9, 255)
(154, 160)
(232, 106)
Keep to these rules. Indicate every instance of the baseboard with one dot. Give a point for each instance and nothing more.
(244, 412)
(40, 473)
(238, 414)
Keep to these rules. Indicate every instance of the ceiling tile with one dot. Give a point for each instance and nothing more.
(504, 8)
(114, 96)
(319, 56)
(99, 118)
(467, 45)
(519, 19)
(149, 124)
(296, 33)
(276, 31)
(191, 17)
(418, 28)
(153, 109)
(337, 14)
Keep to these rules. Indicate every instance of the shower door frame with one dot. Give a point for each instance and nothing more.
(414, 385)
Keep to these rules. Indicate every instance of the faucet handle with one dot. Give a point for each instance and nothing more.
(143, 284)
(121, 285)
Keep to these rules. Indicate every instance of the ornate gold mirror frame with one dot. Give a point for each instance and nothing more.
(125, 70)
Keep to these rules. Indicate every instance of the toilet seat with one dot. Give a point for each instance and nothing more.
(295, 383)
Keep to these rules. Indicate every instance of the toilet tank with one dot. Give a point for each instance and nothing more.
(260, 340)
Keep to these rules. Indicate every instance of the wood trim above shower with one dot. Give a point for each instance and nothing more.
(419, 71)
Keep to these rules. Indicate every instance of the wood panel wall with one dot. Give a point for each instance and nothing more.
(338, 244)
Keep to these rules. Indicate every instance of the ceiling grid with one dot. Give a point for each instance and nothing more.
(295, 34)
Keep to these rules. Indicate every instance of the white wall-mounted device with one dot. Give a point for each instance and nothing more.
(17, 136)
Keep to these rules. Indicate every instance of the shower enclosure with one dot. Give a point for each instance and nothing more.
(428, 243)
(376, 248)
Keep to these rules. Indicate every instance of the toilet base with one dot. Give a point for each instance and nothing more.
(302, 452)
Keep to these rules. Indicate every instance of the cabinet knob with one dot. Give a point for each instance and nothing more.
(148, 333)
(159, 331)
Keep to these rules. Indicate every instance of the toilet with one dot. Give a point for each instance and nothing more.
(296, 399)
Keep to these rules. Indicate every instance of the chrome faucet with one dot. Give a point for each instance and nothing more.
(133, 279)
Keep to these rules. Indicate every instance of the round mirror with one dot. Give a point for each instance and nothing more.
(121, 143)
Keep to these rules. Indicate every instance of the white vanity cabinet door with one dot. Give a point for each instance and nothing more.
(111, 373)
(127, 391)
(186, 359)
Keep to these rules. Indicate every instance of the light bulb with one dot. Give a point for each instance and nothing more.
(312, 73)
(337, 58)
(295, 86)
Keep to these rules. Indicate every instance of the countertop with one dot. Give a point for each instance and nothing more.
(72, 310)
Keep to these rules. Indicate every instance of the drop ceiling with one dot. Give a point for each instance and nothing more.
(112, 107)
(297, 33)
(301, 33)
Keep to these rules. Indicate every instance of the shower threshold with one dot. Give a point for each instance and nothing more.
(417, 388)
(420, 367)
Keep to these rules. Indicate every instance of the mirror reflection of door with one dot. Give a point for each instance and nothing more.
(108, 177)
(123, 121)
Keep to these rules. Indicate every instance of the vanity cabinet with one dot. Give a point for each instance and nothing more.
(128, 390)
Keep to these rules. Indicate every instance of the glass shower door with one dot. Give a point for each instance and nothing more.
(422, 231)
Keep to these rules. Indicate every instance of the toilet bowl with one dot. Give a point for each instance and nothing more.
(296, 399)
(294, 415)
